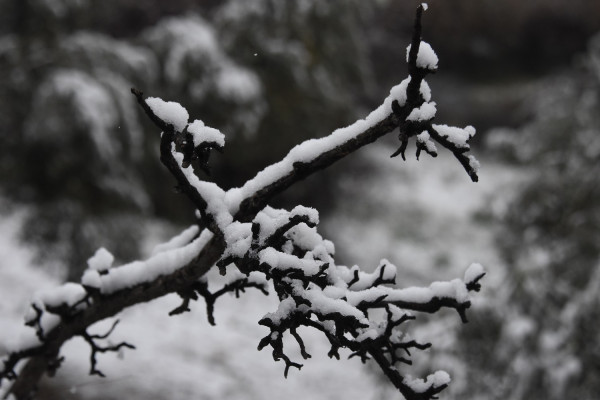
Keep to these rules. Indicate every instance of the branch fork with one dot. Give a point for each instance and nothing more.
(271, 248)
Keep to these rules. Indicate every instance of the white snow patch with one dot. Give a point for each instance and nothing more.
(425, 139)
(238, 237)
(425, 90)
(368, 334)
(278, 260)
(437, 379)
(474, 271)
(101, 260)
(474, 163)
(324, 305)
(424, 113)
(454, 289)
(285, 308)
(457, 136)
(426, 58)
(163, 263)
(212, 194)
(68, 294)
(91, 278)
(170, 112)
(205, 134)
(311, 213)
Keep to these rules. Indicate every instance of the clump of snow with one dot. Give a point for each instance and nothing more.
(91, 278)
(101, 260)
(238, 237)
(308, 238)
(474, 163)
(454, 289)
(386, 269)
(285, 308)
(425, 139)
(282, 261)
(329, 326)
(212, 194)
(311, 213)
(458, 136)
(269, 220)
(398, 93)
(435, 380)
(334, 292)
(398, 313)
(326, 306)
(474, 271)
(367, 334)
(424, 113)
(68, 294)
(426, 58)
(425, 90)
(170, 112)
(205, 134)
(163, 263)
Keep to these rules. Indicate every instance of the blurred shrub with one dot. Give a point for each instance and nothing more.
(268, 73)
(546, 310)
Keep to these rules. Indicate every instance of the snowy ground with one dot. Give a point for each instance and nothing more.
(426, 216)
(419, 215)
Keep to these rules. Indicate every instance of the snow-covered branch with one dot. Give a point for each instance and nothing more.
(180, 144)
(261, 247)
(417, 111)
(284, 247)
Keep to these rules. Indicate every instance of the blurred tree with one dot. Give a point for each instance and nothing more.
(495, 40)
(69, 123)
(312, 58)
(540, 328)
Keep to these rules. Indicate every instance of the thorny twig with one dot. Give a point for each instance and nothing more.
(201, 288)
(96, 348)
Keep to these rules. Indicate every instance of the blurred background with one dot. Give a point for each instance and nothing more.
(79, 169)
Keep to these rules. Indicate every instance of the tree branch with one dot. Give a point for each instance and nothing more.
(299, 282)
(168, 141)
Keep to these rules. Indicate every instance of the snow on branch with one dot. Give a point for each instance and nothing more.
(179, 148)
(336, 300)
(417, 113)
(259, 247)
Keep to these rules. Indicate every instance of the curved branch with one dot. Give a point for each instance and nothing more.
(167, 142)
(255, 200)
(245, 202)
(104, 306)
